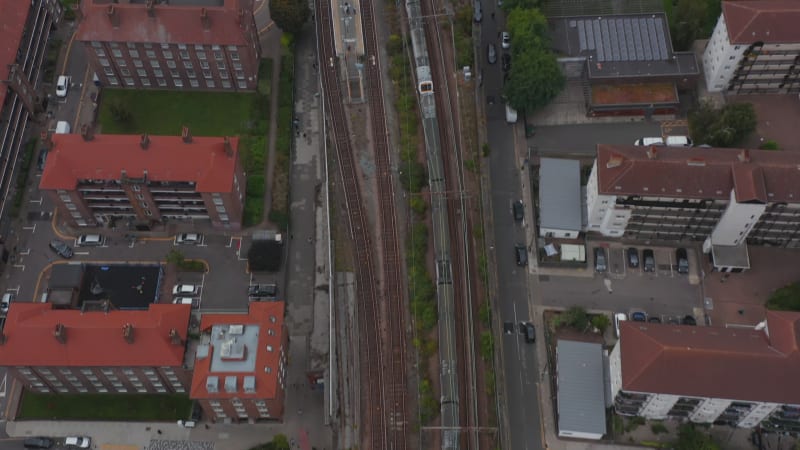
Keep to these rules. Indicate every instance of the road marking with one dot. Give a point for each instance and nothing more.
(8, 404)
(3, 386)
(258, 8)
(66, 55)
(55, 228)
(20, 266)
(82, 253)
(33, 228)
(37, 201)
(266, 28)
(76, 122)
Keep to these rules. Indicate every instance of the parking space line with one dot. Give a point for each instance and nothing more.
(33, 228)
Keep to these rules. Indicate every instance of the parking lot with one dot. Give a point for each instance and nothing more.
(664, 293)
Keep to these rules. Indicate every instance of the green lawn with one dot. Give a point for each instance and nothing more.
(144, 407)
(165, 112)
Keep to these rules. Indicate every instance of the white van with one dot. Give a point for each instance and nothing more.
(648, 141)
(679, 141)
(511, 114)
(89, 240)
(62, 127)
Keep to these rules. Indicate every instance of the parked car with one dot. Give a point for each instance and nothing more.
(633, 257)
(654, 319)
(185, 301)
(186, 290)
(189, 238)
(5, 303)
(477, 11)
(505, 39)
(90, 240)
(683, 260)
(61, 248)
(522, 254)
(37, 442)
(639, 316)
(40, 162)
(519, 211)
(600, 261)
(648, 141)
(491, 53)
(529, 331)
(262, 290)
(649, 260)
(62, 85)
(506, 62)
(679, 141)
(689, 320)
(619, 317)
(78, 441)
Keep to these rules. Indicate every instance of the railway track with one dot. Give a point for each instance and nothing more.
(458, 225)
(384, 409)
(371, 364)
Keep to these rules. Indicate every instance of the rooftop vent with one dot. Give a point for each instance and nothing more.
(204, 19)
(151, 11)
(652, 152)
(236, 330)
(86, 132)
(614, 161)
(175, 337)
(60, 333)
(127, 333)
(186, 135)
(744, 156)
(144, 142)
(230, 384)
(113, 16)
(228, 148)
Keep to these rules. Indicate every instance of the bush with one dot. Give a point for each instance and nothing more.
(601, 322)
(769, 145)
(574, 317)
(487, 345)
(428, 405)
(786, 298)
(418, 205)
(658, 428)
(119, 112)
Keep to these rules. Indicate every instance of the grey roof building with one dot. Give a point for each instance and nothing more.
(581, 391)
(560, 212)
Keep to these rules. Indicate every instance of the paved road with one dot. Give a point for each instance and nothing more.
(583, 139)
(519, 359)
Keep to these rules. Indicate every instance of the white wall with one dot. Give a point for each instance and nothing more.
(757, 414)
(721, 58)
(615, 371)
(558, 233)
(709, 409)
(736, 222)
(602, 214)
(579, 434)
(658, 405)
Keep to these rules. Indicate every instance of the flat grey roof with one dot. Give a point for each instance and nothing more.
(581, 391)
(635, 45)
(234, 349)
(732, 256)
(560, 194)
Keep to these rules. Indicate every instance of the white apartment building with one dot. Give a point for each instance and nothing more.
(725, 198)
(755, 48)
(726, 376)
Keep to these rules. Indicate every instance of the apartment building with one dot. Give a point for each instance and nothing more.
(727, 376)
(755, 48)
(25, 28)
(726, 198)
(160, 44)
(95, 180)
(96, 351)
(240, 365)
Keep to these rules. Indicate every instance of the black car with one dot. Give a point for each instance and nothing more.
(683, 260)
(689, 320)
(42, 159)
(37, 442)
(633, 257)
(649, 260)
(263, 290)
(600, 263)
(62, 249)
(506, 61)
(522, 255)
(654, 319)
(519, 211)
(529, 331)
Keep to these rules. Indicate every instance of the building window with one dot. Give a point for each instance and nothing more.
(141, 72)
(223, 217)
(240, 75)
(128, 81)
(211, 84)
(207, 73)
(145, 82)
(150, 54)
(201, 56)
(158, 72)
(188, 65)
(184, 54)
(237, 66)
(154, 64)
(226, 84)
(121, 62)
(234, 56)
(113, 45)
(174, 73)
(100, 52)
(242, 85)
(125, 72)
(204, 65)
(133, 53)
(171, 64)
(190, 73)
(104, 62)
(96, 44)
(220, 65)
(167, 54)
(194, 83)
(218, 55)
(112, 80)
(223, 74)
(117, 53)
(268, 369)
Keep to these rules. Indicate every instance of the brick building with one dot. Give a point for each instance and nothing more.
(755, 48)
(726, 376)
(240, 367)
(74, 351)
(146, 180)
(25, 28)
(187, 44)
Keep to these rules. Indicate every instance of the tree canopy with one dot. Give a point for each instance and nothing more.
(289, 15)
(535, 77)
(690, 438)
(725, 127)
(510, 5)
(265, 256)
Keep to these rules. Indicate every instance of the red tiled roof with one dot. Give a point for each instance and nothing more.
(768, 21)
(260, 314)
(699, 173)
(12, 22)
(167, 158)
(93, 338)
(714, 362)
(169, 24)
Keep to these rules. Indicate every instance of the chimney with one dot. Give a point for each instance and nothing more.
(145, 142)
(174, 337)
(127, 333)
(228, 148)
(86, 133)
(744, 156)
(652, 152)
(186, 135)
(60, 333)
(113, 15)
(204, 19)
(151, 11)
(614, 160)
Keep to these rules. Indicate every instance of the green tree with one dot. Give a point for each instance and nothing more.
(601, 322)
(535, 77)
(289, 15)
(510, 5)
(726, 127)
(690, 438)
(786, 298)
(575, 317)
(687, 23)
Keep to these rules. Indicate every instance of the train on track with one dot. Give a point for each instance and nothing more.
(420, 48)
